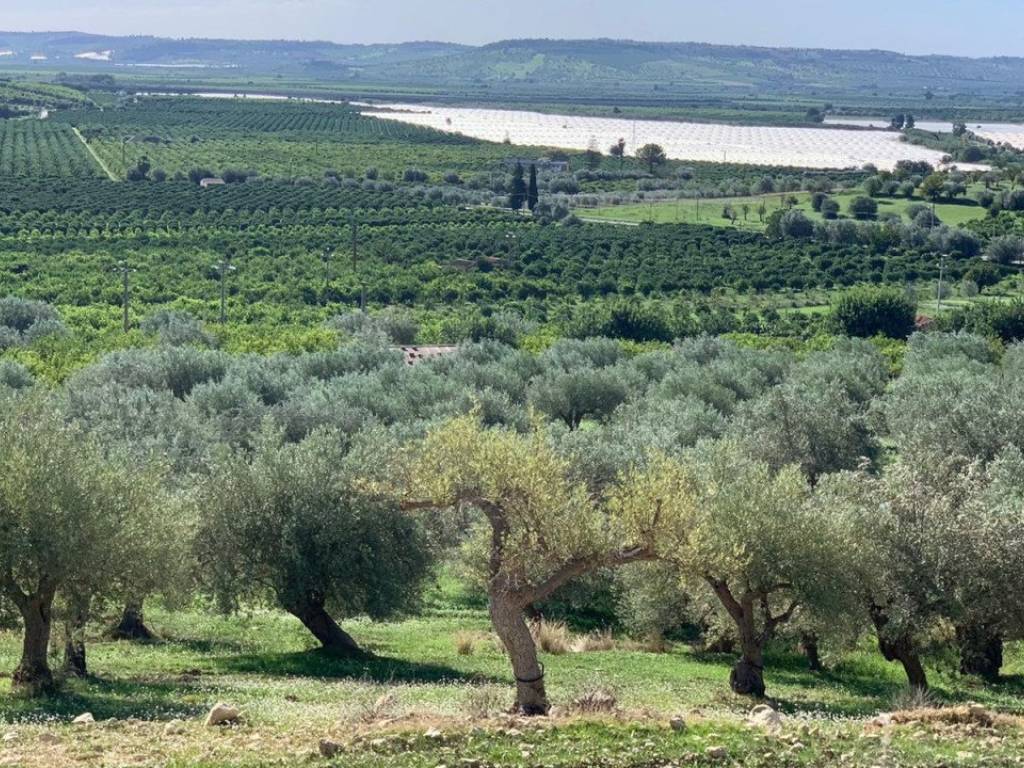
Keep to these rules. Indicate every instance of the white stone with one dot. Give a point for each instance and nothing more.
(85, 718)
(763, 716)
(222, 714)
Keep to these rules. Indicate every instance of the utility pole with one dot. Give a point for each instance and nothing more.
(513, 252)
(938, 290)
(125, 270)
(355, 243)
(223, 267)
(327, 254)
(355, 263)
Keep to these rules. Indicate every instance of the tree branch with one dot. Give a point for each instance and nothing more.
(731, 604)
(580, 566)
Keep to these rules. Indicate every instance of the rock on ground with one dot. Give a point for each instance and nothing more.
(221, 714)
(717, 753)
(763, 716)
(330, 748)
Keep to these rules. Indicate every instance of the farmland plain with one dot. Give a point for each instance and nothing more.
(267, 309)
(707, 142)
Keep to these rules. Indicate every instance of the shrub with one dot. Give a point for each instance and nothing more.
(1005, 249)
(863, 208)
(795, 224)
(621, 319)
(23, 321)
(176, 329)
(394, 325)
(867, 312)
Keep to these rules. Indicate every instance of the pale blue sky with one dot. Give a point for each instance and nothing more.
(964, 27)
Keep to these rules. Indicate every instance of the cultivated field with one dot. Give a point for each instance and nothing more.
(708, 142)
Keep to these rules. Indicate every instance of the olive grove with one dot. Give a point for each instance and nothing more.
(750, 497)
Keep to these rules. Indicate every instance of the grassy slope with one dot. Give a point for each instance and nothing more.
(292, 697)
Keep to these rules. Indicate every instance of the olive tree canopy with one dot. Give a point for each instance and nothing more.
(287, 523)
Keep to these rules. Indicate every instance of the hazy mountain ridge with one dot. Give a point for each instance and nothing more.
(741, 66)
(553, 63)
(258, 55)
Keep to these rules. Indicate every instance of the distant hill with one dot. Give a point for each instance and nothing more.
(75, 49)
(553, 65)
(702, 65)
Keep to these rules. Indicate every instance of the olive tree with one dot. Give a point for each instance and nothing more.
(954, 411)
(65, 516)
(651, 155)
(287, 523)
(936, 544)
(544, 527)
(764, 551)
(817, 418)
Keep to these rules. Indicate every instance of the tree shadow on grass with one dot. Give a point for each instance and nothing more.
(321, 664)
(105, 699)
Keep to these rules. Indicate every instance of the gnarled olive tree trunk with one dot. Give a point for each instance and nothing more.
(311, 612)
(809, 647)
(511, 627)
(74, 637)
(899, 648)
(132, 625)
(33, 675)
(509, 601)
(981, 650)
(747, 611)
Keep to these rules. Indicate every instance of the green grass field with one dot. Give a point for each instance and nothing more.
(149, 701)
(711, 211)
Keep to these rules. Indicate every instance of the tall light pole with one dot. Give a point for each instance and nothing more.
(223, 267)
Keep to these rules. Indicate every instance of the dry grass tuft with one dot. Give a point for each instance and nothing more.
(595, 700)
(484, 702)
(465, 642)
(381, 708)
(552, 637)
(594, 642)
(912, 698)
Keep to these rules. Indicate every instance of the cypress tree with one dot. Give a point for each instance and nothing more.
(517, 197)
(532, 196)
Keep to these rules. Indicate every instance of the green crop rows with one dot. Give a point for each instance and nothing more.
(39, 148)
